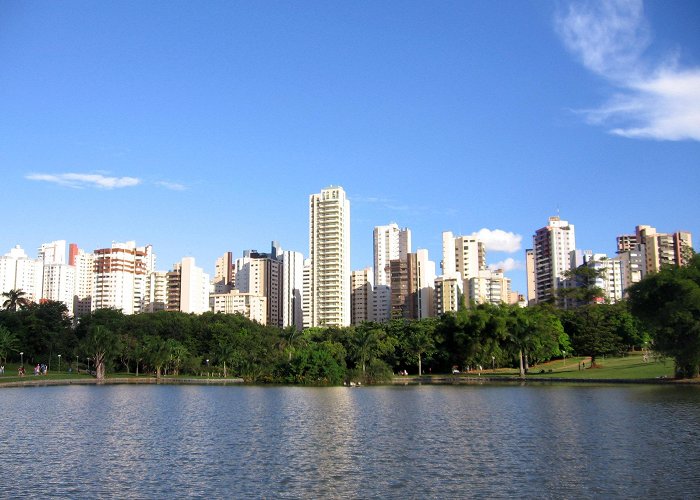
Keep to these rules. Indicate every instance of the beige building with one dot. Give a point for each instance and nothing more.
(120, 276)
(488, 287)
(252, 306)
(448, 294)
(329, 251)
(361, 289)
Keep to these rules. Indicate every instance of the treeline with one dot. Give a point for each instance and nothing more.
(230, 345)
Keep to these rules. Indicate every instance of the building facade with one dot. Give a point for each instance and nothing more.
(552, 247)
(329, 251)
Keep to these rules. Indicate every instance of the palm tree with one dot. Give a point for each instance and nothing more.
(15, 299)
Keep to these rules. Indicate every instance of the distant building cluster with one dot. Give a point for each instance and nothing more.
(554, 253)
(286, 289)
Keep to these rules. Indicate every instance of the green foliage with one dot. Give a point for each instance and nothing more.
(596, 330)
(318, 363)
(582, 288)
(669, 302)
(8, 343)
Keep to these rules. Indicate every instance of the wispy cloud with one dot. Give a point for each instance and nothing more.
(173, 186)
(498, 240)
(655, 99)
(506, 265)
(80, 181)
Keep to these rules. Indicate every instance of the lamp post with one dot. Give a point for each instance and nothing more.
(564, 354)
(493, 363)
(88, 366)
(59, 363)
(76, 364)
(21, 358)
(207, 367)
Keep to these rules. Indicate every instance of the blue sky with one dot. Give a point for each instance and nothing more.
(202, 127)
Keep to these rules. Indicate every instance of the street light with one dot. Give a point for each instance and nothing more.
(76, 364)
(59, 363)
(207, 367)
(21, 357)
(493, 363)
(564, 354)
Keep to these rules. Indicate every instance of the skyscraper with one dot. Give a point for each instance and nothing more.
(329, 251)
(390, 243)
(120, 277)
(552, 246)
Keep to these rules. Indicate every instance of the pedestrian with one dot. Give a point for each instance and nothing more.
(2, 369)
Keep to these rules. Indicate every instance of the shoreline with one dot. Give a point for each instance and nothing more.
(122, 381)
(471, 380)
(397, 380)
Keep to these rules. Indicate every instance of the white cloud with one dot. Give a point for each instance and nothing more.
(498, 240)
(86, 180)
(506, 265)
(654, 99)
(173, 186)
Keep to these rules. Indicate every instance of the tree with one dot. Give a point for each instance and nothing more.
(420, 339)
(594, 330)
(669, 303)
(8, 342)
(369, 341)
(16, 299)
(102, 345)
(581, 286)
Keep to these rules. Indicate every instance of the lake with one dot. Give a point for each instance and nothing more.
(486, 441)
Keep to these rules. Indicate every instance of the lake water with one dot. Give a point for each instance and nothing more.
(490, 441)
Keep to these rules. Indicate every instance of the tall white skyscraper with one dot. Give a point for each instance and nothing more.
(390, 243)
(329, 251)
(552, 246)
(19, 272)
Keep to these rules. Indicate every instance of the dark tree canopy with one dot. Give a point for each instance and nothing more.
(669, 303)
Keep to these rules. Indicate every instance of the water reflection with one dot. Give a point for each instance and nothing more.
(395, 442)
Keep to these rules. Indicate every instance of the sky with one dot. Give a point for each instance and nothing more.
(203, 127)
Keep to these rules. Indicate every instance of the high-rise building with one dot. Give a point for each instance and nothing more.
(530, 276)
(156, 292)
(53, 253)
(488, 287)
(412, 286)
(448, 294)
(390, 243)
(249, 305)
(261, 274)
(292, 289)
(19, 272)
(663, 249)
(223, 273)
(84, 264)
(552, 246)
(610, 276)
(464, 256)
(361, 298)
(194, 287)
(120, 277)
(59, 284)
(421, 271)
(329, 251)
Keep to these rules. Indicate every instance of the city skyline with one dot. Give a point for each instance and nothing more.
(436, 117)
